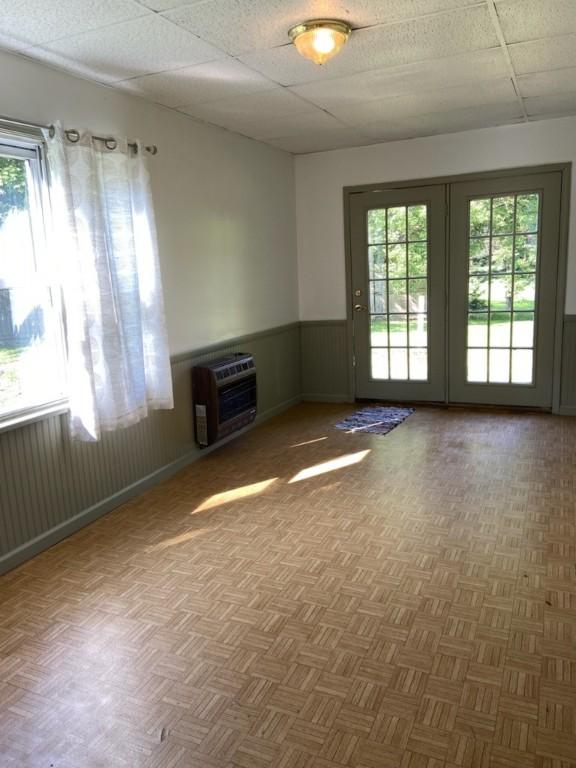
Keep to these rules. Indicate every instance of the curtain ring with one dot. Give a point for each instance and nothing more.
(72, 135)
(110, 143)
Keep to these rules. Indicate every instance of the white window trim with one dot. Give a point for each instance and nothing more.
(27, 144)
(16, 419)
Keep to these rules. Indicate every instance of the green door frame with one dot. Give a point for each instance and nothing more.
(565, 169)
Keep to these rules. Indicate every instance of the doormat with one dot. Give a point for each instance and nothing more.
(376, 419)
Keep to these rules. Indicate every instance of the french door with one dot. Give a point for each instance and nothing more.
(454, 290)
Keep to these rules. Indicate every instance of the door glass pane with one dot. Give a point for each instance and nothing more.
(378, 297)
(502, 253)
(397, 224)
(417, 328)
(417, 222)
(398, 266)
(380, 369)
(477, 369)
(523, 330)
(399, 364)
(502, 285)
(397, 295)
(379, 330)
(479, 255)
(524, 292)
(377, 262)
(477, 329)
(478, 293)
(397, 261)
(398, 330)
(499, 366)
(417, 259)
(500, 329)
(522, 366)
(418, 364)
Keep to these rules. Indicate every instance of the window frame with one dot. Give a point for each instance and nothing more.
(29, 144)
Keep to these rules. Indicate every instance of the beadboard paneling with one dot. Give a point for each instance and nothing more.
(568, 380)
(51, 486)
(325, 375)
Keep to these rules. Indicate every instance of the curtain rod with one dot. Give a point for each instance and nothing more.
(110, 142)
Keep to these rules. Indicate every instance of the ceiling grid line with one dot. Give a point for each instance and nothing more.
(493, 11)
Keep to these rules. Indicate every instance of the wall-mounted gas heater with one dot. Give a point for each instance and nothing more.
(224, 397)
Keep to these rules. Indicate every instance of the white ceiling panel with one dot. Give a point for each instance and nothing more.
(548, 83)
(33, 22)
(166, 5)
(242, 112)
(10, 44)
(321, 142)
(542, 55)
(384, 46)
(410, 78)
(302, 124)
(239, 26)
(221, 79)
(444, 122)
(138, 47)
(410, 68)
(409, 104)
(559, 104)
(533, 19)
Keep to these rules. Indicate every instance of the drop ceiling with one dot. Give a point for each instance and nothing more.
(411, 67)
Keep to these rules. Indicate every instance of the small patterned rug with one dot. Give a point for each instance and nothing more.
(379, 420)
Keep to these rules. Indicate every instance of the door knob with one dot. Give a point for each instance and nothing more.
(360, 307)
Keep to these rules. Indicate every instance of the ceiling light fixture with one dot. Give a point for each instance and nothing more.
(320, 39)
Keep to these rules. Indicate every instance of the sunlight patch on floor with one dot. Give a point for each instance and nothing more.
(235, 494)
(330, 466)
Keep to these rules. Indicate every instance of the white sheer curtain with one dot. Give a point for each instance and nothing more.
(104, 237)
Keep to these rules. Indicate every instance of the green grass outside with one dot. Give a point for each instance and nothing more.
(9, 384)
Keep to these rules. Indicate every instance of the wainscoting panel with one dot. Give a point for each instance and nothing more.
(51, 486)
(568, 379)
(325, 376)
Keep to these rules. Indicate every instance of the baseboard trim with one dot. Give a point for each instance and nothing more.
(62, 531)
(315, 398)
(566, 410)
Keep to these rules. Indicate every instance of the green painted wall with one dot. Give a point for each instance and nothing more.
(51, 486)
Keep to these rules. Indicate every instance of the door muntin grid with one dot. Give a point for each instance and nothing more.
(503, 258)
(398, 244)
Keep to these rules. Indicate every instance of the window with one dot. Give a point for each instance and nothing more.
(31, 345)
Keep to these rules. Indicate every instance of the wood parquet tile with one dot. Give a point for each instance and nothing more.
(306, 598)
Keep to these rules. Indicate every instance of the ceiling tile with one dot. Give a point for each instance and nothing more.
(221, 79)
(557, 104)
(533, 19)
(384, 46)
(408, 104)
(33, 23)
(239, 26)
(240, 113)
(10, 44)
(542, 55)
(138, 47)
(548, 83)
(166, 5)
(321, 142)
(444, 122)
(302, 124)
(410, 78)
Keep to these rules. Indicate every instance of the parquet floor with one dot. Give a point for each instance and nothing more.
(306, 597)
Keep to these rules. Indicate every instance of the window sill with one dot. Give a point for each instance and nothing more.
(30, 415)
